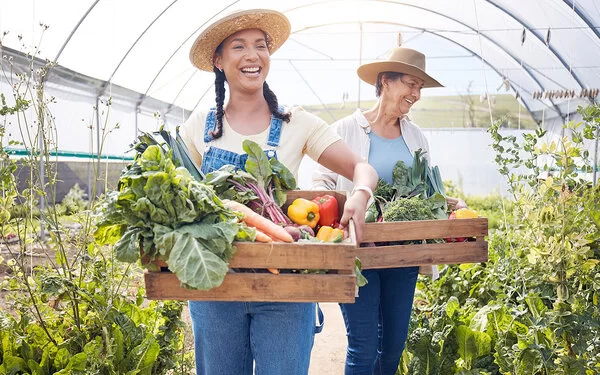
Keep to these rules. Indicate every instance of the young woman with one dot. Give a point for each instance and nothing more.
(377, 323)
(274, 338)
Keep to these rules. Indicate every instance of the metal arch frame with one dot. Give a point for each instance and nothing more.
(583, 17)
(134, 44)
(492, 2)
(540, 38)
(141, 99)
(60, 51)
(440, 36)
(554, 107)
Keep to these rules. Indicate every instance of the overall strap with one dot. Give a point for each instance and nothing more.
(275, 130)
(210, 125)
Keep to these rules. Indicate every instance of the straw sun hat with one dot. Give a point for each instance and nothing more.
(273, 23)
(401, 60)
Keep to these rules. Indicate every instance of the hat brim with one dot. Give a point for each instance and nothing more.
(273, 23)
(369, 72)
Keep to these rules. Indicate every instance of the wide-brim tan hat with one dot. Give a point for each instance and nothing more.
(401, 60)
(273, 23)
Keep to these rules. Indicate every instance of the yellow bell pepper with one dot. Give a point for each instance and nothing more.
(465, 213)
(304, 212)
(330, 234)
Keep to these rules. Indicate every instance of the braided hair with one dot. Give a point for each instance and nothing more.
(217, 132)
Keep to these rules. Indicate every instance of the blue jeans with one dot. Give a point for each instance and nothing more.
(231, 337)
(377, 323)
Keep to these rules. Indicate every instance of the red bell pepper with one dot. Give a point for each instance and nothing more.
(328, 209)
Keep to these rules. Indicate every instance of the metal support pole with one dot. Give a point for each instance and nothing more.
(594, 174)
(41, 149)
(97, 174)
(360, 43)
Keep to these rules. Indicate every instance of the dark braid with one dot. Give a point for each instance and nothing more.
(217, 132)
(273, 105)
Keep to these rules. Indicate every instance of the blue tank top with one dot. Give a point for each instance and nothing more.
(384, 153)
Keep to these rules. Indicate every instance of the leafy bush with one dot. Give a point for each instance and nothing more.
(533, 307)
(89, 318)
(78, 311)
(73, 202)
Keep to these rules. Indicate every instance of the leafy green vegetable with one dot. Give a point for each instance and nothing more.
(407, 209)
(162, 210)
(416, 193)
(261, 186)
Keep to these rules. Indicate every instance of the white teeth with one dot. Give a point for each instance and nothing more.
(250, 70)
(408, 100)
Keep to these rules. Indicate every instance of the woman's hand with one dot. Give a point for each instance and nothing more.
(355, 209)
(339, 158)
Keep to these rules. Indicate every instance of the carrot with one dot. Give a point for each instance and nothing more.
(262, 237)
(252, 219)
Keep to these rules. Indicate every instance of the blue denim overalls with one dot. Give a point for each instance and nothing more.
(229, 336)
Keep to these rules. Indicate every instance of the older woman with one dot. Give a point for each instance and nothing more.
(274, 338)
(377, 323)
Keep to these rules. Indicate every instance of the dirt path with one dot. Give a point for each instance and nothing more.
(329, 351)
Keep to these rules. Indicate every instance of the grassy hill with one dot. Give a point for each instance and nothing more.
(445, 111)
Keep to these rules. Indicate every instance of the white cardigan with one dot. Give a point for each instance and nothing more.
(352, 130)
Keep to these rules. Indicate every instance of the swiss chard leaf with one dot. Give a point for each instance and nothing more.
(257, 163)
(127, 249)
(283, 174)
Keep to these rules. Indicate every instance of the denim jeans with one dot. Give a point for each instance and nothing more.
(231, 338)
(377, 323)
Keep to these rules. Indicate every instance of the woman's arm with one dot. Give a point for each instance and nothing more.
(339, 158)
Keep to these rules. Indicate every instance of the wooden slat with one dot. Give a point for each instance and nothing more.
(257, 287)
(415, 255)
(293, 256)
(425, 229)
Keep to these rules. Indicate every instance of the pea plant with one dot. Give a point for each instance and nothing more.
(533, 307)
(78, 311)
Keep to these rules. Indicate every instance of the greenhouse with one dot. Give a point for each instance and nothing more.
(513, 132)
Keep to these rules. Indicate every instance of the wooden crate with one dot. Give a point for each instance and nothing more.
(338, 285)
(392, 256)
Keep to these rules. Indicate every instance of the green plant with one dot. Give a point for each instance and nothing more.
(78, 311)
(73, 202)
(532, 302)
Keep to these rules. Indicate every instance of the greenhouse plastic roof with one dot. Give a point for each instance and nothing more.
(531, 49)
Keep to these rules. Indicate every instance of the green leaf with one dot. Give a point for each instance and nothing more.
(195, 266)
(34, 367)
(361, 280)
(257, 163)
(117, 346)
(62, 358)
(14, 365)
(286, 177)
(78, 362)
(472, 344)
(109, 234)
(452, 306)
(144, 355)
(127, 249)
(530, 362)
